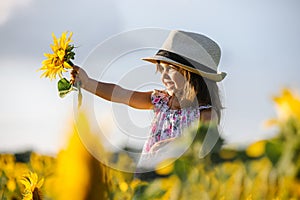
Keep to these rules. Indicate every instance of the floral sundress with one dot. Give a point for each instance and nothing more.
(168, 123)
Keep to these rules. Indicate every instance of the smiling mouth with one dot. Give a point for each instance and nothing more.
(170, 87)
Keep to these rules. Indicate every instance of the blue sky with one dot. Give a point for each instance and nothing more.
(260, 49)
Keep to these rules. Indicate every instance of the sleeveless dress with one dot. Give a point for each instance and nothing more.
(168, 123)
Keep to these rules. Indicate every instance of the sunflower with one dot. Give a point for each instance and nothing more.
(287, 106)
(59, 61)
(32, 186)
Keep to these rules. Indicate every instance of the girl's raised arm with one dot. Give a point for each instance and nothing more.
(112, 92)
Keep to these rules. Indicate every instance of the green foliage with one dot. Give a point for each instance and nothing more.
(70, 55)
(268, 169)
(273, 151)
(64, 87)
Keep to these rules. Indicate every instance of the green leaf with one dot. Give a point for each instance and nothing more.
(64, 87)
(139, 192)
(273, 151)
(181, 169)
(64, 84)
(158, 194)
(70, 55)
(154, 190)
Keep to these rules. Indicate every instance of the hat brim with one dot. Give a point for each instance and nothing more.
(212, 76)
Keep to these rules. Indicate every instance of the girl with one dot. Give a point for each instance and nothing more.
(188, 64)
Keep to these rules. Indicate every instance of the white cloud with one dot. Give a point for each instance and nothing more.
(8, 6)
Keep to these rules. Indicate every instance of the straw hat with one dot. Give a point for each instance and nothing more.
(191, 51)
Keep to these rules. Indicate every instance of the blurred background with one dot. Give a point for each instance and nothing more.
(259, 41)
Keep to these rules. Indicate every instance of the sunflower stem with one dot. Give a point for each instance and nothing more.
(70, 63)
(78, 86)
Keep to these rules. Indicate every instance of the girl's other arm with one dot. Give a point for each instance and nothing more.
(111, 92)
(209, 115)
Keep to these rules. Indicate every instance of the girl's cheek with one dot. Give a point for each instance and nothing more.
(180, 81)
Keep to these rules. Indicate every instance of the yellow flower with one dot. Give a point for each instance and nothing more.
(172, 187)
(123, 186)
(78, 175)
(11, 185)
(136, 182)
(256, 149)
(32, 186)
(57, 63)
(165, 167)
(288, 105)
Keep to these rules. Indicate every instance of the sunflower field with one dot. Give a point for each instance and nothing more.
(266, 169)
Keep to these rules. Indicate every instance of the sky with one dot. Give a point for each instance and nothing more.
(259, 41)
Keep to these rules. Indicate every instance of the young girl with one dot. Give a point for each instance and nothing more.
(188, 64)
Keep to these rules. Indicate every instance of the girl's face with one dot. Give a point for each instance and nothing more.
(172, 79)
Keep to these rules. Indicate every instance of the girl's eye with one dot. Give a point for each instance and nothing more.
(173, 68)
(168, 68)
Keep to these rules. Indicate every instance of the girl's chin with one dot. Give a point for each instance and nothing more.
(170, 92)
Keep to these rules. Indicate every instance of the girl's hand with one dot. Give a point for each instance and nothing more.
(158, 145)
(78, 75)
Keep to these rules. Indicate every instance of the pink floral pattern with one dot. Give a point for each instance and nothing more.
(168, 123)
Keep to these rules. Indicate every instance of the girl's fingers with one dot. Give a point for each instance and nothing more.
(74, 75)
(77, 75)
(74, 72)
(76, 68)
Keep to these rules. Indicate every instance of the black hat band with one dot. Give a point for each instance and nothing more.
(184, 61)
